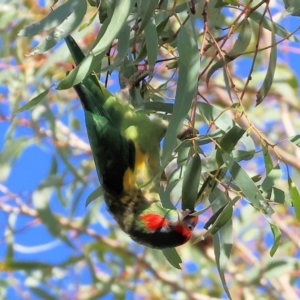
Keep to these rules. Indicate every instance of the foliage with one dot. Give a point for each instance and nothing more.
(216, 66)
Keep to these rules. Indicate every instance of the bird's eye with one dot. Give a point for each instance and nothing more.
(170, 225)
(190, 227)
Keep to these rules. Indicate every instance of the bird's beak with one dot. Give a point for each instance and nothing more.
(185, 213)
(190, 220)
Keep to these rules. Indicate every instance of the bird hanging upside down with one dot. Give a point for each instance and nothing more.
(125, 147)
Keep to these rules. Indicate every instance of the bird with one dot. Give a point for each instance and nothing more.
(125, 146)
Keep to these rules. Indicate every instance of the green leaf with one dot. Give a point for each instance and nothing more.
(243, 181)
(33, 102)
(271, 179)
(279, 196)
(111, 30)
(267, 83)
(295, 198)
(42, 294)
(267, 159)
(11, 151)
(190, 183)
(210, 183)
(238, 48)
(291, 8)
(277, 238)
(272, 26)
(295, 140)
(172, 257)
(143, 52)
(221, 221)
(151, 43)
(222, 253)
(61, 32)
(215, 115)
(189, 68)
(123, 45)
(147, 9)
(118, 19)
(58, 34)
(228, 142)
(97, 193)
(40, 199)
(53, 19)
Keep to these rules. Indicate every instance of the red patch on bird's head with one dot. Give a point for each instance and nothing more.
(186, 226)
(154, 222)
(183, 231)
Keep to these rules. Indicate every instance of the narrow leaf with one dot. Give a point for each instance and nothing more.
(172, 257)
(118, 19)
(277, 238)
(295, 198)
(94, 195)
(228, 142)
(295, 140)
(147, 12)
(190, 184)
(243, 181)
(219, 254)
(238, 48)
(271, 179)
(53, 19)
(114, 26)
(33, 102)
(272, 26)
(61, 31)
(151, 43)
(267, 83)
(267, 159)
(215, 115)
(189, 67)
(221, 221)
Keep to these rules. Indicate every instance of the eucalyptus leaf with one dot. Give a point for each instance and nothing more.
(189, 67)
(172, 257)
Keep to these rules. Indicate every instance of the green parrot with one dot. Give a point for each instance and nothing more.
(126, 152)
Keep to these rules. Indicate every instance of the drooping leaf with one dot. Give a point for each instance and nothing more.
(189, 67)
(238, 48)
(228, 142)
(272, 26)
(291, 8)
(33, 102)
(272, 178)
(53, 19)
(295, 140)
(222, 252)
(267, 83)
(60, 32)
(267, 159)
(190, 184)
(222, 221)
(215, 115)
(112, 28)
(123, 44)
(277, 238)
(94, 195)
(172, 257)
(151, 43)
(147, 9)
(243, 181)
(295, 198)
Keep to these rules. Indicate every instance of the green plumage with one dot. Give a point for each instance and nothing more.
(125, 147)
